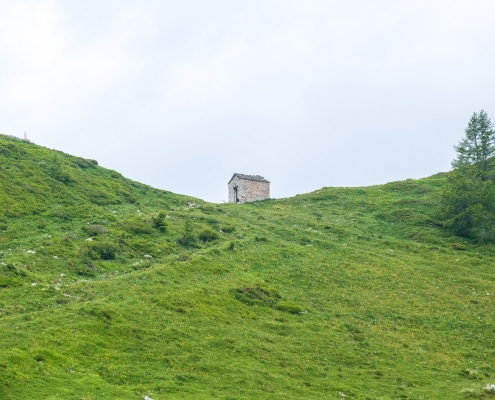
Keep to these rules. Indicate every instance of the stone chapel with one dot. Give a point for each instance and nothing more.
(246, 188)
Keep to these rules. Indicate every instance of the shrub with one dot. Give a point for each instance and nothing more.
(60, 171)
(227, 228)
(102, 197)
(137, 225)
(9, 282)
(104, 250)
(94, 230)
(257, 295)
(468, 204)
(288, 306)
(159, 222)
(188, 238)
(143, 246)
(208, 235)
(85, 163)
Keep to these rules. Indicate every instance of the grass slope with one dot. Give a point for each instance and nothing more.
(339, 293)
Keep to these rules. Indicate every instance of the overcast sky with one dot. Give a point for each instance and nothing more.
(181, 94)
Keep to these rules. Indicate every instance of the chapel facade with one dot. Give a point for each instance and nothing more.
(247, 188)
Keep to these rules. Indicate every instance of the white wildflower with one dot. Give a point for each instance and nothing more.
(33, 284)
(55, 257)
(89, 239)
(31, 252)
(149, 257)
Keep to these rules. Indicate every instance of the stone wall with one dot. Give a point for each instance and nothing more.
(248, 190)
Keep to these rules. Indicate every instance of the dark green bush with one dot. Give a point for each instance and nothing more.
(85, 163)
(9, 282)
(60, 171)
(104, 250)
(188, 238)
(288, 306)
(208, 235)
(159, 222)
(467, 203)
(227, 228)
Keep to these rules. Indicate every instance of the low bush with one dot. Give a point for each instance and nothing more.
(288, 306)
(143, 246)
(208, 235)
(188, 238)
(257, 295)
(137, 225)
(104, 250)
(159, 222)
(227, 228)
(85, 163)
(9, 282)
(94, 230)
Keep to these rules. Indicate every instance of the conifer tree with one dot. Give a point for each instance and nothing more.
(468, 197)
(478, 145)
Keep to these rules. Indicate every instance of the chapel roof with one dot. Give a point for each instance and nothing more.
(249, 178)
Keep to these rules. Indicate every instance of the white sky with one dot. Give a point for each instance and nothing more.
(182, 94)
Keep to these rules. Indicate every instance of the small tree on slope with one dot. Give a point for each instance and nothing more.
(468, 197)
(478, 145)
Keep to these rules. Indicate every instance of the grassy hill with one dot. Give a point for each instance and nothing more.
(110, 289)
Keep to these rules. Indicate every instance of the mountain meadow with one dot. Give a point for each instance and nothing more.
(111, 289)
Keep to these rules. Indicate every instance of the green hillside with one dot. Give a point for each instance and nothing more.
(110, 289)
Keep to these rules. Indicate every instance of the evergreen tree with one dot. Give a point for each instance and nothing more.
(478, 145)
(468, 197)
(468, 204)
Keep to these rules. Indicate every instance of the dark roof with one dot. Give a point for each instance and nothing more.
(249, 178)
